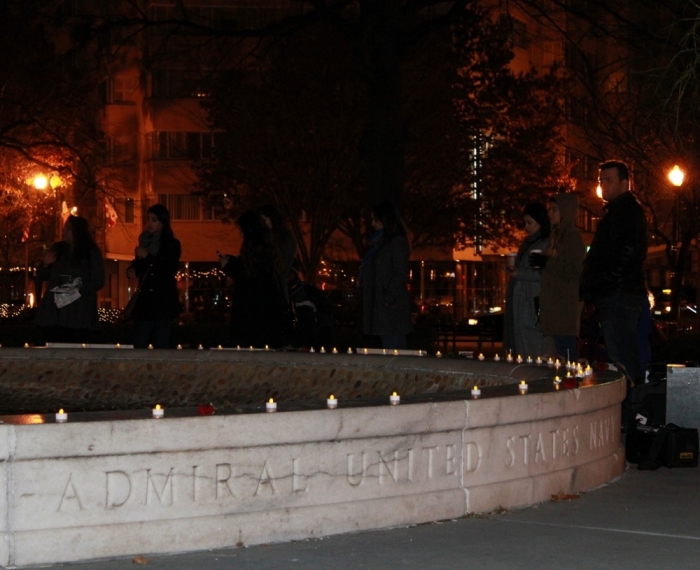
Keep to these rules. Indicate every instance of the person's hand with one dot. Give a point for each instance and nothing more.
(141, 252)
(131, 273)
(224, 259)
(49, 257)
(537, 260)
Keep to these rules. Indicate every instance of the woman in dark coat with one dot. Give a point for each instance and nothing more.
(258, 301)
(156, 264)
(384, 279)
(75, 260)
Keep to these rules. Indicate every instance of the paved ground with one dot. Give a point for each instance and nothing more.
(643, 520)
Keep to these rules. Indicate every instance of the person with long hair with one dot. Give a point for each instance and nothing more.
(521, 333)
(156, 261)
(384, 278)
(562, 264)
(257, 303)
(75, 261)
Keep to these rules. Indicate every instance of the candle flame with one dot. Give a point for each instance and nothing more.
(272, 401)
(157, 407)
(332, 397)
(61, 411)
(394, 394)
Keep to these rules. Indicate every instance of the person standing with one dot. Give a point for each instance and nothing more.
(257, 303)
(613, 277)
(74, 261)
(523, 292)
(384, 279)
(560, 305)
(156, 264)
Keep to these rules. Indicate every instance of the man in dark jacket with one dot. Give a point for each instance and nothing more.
(613, 278)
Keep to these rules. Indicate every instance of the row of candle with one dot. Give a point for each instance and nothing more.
(331, 402)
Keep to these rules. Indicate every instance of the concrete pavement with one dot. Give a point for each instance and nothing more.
(642, 520)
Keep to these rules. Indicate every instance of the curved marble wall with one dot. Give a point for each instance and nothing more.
(121, 483)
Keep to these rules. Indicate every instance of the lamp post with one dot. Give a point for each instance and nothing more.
(42, 182)
(676, 176)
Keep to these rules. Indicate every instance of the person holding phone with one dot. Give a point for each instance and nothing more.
(156, 261)
(76, 264)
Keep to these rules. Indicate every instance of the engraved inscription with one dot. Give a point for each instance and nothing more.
(602, 432)
(70, 499)
(541, 447)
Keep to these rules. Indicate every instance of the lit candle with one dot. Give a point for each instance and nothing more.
(220, 347)
(568, 373)
(557, 380)
(332, 402)
(497, 358)
(200, 347)
(83, 345)
(158, 411)
(335, 350)
(61, 417)
(550, 362)
(396, 351)
(150, 347)
(438, 354)
(267, 347)
(238, 347)
(119, 345)
(539, 360)
(557, 364)
(179, 347)
(481, 356)
(26, 345)
(271, 406)
(509, 357)
(312, 349)
(350, 350)
(394, 399)
(476, 392)
(522, 386)
(323, 350)
(589, 370)
(383, 350)
(519, 360)
(251, 347)
(365, 351)
(420, 352)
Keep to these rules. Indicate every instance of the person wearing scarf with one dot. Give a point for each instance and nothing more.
(156, 264)
(521, 335)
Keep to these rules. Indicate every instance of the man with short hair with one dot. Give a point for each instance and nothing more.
(613, 278)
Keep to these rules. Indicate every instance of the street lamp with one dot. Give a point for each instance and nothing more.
(43, 182)
(676, 176)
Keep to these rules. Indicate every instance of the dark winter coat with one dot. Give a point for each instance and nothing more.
(560, 308)
(257, 304)
(614, 262)
(81, 313)
(158, 300)
(387, 305)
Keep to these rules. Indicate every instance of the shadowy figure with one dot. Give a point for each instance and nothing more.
(258, 301)
(75, 271)
(156, 264)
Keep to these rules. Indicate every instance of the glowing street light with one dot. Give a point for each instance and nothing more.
(40, 182)
(676, 176)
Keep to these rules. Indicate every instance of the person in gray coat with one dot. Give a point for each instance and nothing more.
(384, 279)
(76, 262)
(521, 335)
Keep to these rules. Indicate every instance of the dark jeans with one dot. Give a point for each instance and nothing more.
(394, 341)
(158, 331)
(619, 317)
(567, 346)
